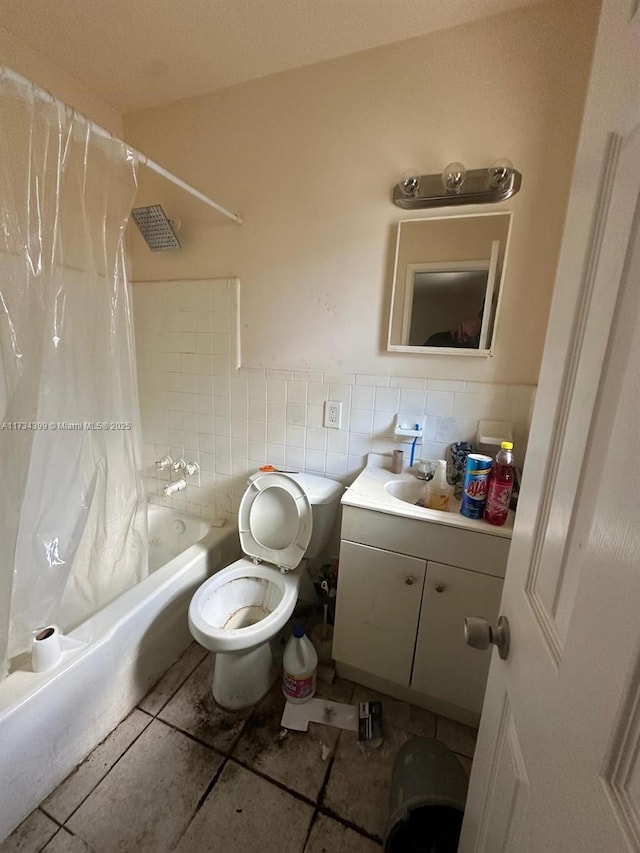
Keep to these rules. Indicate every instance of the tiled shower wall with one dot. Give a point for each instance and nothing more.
(197, 405)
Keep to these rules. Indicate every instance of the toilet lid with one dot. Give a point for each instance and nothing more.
(274, 520)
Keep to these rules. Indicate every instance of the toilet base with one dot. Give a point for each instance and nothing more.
(240, 679)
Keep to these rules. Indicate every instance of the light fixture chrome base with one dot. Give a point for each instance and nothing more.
(476, 189)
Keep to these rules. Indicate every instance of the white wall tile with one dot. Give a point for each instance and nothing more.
(361, 420)
(363, 397)
(275, 455)
(445, 385)
(340, 393)
(372, 379)
(492, 405)
(337, 441)
(412, 400)
(294, 458)
(308, 376)
(276, 433)
(336, 464)
(383, 423)
(316, 439)
(439, 404)
(294, 436)
(296, 414)
(279, 374)
(315, 416)
(276, 390)
(387, 399)
(408, 382)
(317, 393)
(276, 412)
(315, 461)
(297, 392)
(196, 402)
(340, 378)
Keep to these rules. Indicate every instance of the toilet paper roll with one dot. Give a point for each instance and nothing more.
(46, 648)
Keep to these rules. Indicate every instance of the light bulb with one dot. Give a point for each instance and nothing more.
(500, 172)
(409, 183)
(453, 177)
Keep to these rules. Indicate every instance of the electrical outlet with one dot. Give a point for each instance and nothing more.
(333, 414)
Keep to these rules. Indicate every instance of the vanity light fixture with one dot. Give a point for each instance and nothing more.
(455, 185)
(453, 177)
(409, 183)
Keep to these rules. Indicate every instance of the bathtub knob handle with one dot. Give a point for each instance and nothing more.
(178, 465)
(165, 462)
(191, 468)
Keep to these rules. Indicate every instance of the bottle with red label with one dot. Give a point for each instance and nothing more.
(299, 664)
(500, 486)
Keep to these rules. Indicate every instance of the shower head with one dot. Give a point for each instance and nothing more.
(156, 228)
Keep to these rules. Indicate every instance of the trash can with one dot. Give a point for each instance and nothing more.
(427, 798)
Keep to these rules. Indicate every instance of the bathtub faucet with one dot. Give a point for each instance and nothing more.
(189, 468)
(171, 488)
(165, 462)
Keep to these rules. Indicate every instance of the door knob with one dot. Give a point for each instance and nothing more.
(479, 634)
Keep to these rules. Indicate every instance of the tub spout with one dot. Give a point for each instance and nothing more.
(172, 488)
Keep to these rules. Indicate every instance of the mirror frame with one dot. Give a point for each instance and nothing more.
(402, 286)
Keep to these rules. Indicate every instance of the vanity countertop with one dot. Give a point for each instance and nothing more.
(368, 492)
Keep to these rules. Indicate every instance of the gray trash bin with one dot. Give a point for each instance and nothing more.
(426, 801)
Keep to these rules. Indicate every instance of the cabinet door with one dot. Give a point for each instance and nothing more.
(377, 609)
(445, 667)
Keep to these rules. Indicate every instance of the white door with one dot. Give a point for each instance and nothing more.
(556, 766)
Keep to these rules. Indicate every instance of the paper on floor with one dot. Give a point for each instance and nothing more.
(329, 713)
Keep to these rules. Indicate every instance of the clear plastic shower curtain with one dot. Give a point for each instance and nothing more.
(72, 503)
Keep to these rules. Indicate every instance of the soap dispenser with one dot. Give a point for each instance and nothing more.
(440, 490)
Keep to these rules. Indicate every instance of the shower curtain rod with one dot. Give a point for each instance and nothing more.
(142, 158)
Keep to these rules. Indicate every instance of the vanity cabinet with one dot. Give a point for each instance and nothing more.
(400, 609)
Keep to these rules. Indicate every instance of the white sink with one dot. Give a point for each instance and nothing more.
(376, 488)
(409, 491)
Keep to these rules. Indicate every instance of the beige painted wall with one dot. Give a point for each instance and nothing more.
(21, 58)
(309, 158)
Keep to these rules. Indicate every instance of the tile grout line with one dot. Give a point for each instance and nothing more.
(58, 828)
(210, 787)
(320, 794)
(298, 796)
(99, 782)
(204, 797)
(327, 811)
(177, 689)
(191, 736)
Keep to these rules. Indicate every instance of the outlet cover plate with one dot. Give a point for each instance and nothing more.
(333, 414)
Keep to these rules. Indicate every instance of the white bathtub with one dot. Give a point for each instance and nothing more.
(50, 721)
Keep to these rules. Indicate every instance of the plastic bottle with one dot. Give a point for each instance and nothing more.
(439, 490)
(300, 662)
(500, 486)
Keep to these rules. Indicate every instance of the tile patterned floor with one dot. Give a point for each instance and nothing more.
(179, 774)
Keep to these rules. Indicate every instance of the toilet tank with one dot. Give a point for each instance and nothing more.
(324, 496)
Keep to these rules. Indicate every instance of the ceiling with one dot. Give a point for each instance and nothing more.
(138, 55)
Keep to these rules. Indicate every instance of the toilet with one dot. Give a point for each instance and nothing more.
(284, 522)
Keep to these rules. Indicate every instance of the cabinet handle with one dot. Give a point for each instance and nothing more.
(440, 587)
(409, 581)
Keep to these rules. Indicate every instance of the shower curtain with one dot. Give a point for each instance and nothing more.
(72, 502)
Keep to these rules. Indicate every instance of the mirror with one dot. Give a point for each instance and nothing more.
(446, 284)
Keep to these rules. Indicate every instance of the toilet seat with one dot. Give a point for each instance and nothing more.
(274, 521)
